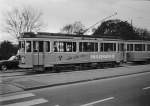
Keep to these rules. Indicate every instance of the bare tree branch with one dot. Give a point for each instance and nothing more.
(23, 20)
(75, 28)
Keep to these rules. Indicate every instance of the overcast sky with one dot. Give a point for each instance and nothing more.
(57, 13)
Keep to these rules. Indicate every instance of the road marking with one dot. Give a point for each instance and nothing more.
(29, 103)
(16, 97)
(102, 100)
(146, 88)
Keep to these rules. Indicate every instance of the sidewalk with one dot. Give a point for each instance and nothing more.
(23, 83)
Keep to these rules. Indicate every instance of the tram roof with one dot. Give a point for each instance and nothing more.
(49, 35)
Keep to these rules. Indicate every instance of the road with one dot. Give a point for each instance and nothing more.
(130, 90)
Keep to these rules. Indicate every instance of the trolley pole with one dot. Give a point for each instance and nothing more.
(99, 22)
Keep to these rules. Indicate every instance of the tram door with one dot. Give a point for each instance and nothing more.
(38, 54)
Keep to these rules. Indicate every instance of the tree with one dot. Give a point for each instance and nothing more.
(20, 20)
(7, 49)
(142, 33)
(75, 28)
(116, 28)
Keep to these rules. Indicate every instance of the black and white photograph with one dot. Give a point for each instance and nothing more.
(74, 52)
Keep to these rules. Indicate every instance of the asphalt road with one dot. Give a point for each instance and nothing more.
(131, 90)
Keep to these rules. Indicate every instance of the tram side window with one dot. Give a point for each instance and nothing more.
(96, 47)
(38, 46)
(148, 47)
(106, 47)
(28, 46)
(62, 46)
(139, 47)
(114, 46)
(47, 46)
(88, 47)
(129, 47)
(74, 46)
(58, 46)
(35, 46)
(70, 46)
(143, 47)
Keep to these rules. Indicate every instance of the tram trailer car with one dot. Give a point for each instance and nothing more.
(138, 51)
(42, 50)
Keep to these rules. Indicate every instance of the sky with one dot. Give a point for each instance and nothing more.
(57, 13)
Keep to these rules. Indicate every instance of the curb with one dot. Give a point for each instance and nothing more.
(81, 81)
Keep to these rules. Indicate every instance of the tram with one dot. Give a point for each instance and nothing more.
(43, 50)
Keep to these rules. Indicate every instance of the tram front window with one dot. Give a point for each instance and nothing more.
(21, 46)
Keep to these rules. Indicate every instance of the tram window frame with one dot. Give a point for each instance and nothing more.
(70, 46)
(114, 47)
(38, 47)
(22, 46)
(88, 47)
(35, 46)
(148, 47)
(96, 47)
(139, 47)
(143, 47)
(64, 46)
(108, 47)
(130, 47)
(47, 46)
(28, 47)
